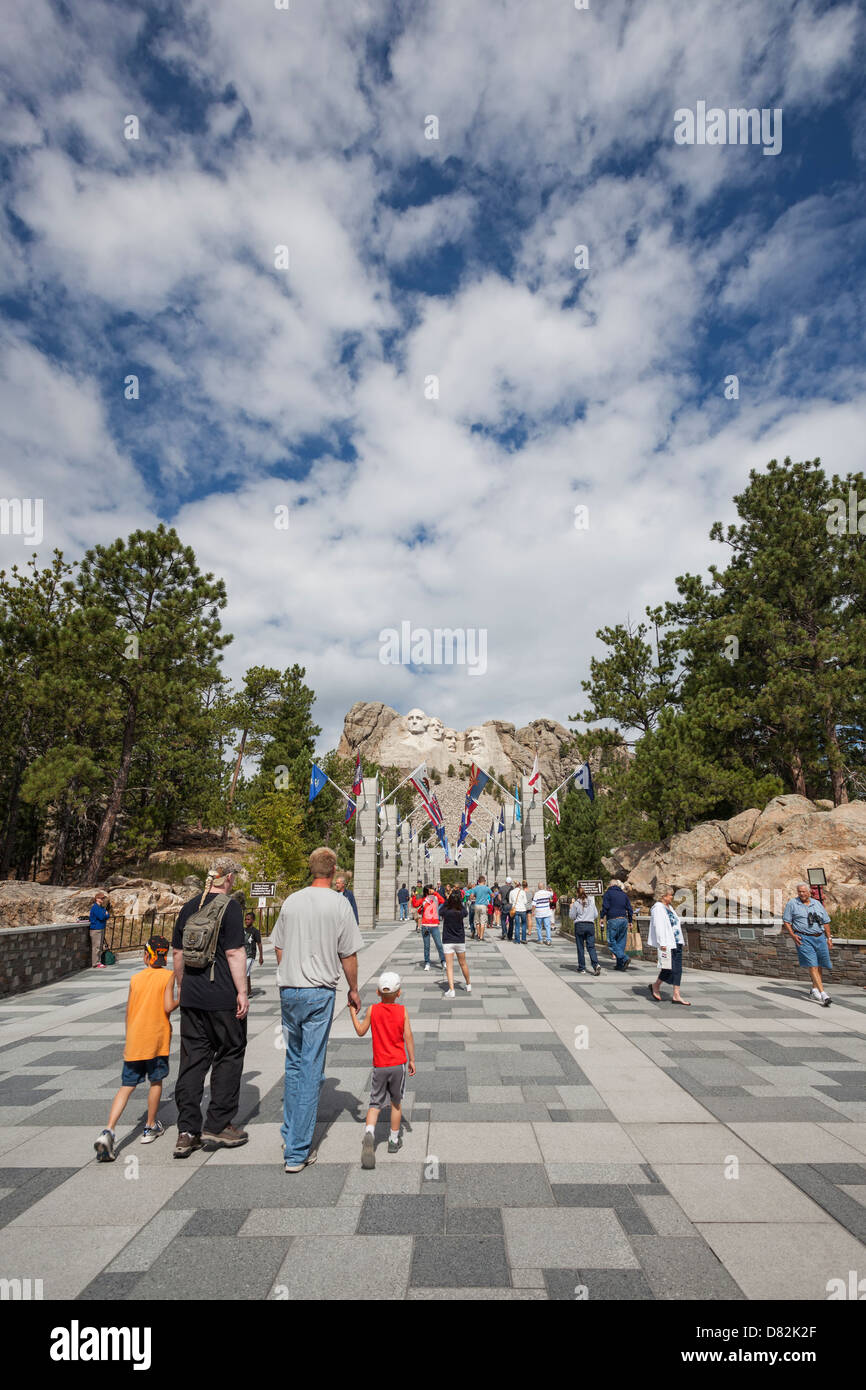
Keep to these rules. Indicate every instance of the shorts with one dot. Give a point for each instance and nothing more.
(481, 916)
(388, 1081)
(155, 1070)
(454, 948)
(813, 950)
(250, 960)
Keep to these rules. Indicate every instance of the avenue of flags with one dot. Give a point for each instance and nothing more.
(581, 778)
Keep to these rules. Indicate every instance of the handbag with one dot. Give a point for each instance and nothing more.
(633, 941)
(665, 957)
(108, 957)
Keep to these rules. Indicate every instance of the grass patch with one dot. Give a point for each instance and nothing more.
(851, 922)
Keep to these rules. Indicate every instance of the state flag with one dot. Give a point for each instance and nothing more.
(318, 779)
(583, 779)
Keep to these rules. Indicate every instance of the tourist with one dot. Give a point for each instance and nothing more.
(507, 910)
(617, 913)
(148, 1039)
(518, 912)
(583, 913)
(541, 907)
(393, 1055)
(666, 934)
(209, 961)
(316, 937)
(430, 925)
(480, 896)
(530, 915)
(98, 920)
(807, 922)
(454, 940)
(496, 904)
(252, 943)
(341, 885)
(403, 900)
(417, 903)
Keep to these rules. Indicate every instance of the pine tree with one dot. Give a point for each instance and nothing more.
(577, 845)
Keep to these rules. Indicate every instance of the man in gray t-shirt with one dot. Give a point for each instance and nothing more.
(315, 938)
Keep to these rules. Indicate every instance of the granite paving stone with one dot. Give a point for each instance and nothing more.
(471, 1260)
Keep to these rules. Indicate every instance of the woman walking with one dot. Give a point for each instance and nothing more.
(583, 913)
(518, 906)
(430, 925)
(666, 934)
(454, 940)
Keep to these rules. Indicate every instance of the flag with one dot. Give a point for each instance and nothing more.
(533, 776)
(426, 852)
(583, 779)
(478, 781)
(318, 778)
(356, 790)
(501, 826)
(553, 805)
(517, 812)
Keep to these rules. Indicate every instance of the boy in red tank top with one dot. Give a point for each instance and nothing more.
(393, 1055)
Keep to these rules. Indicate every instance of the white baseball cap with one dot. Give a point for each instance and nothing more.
(508, 880)
(389, 982)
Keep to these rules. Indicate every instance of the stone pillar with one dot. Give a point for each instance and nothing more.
(534, 859)
(364, 882)
(513, 849)
(388, 865)
(405, 872)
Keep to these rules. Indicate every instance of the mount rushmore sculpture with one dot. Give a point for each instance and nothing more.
(379, 733)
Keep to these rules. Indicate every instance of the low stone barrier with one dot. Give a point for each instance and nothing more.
(748, 948)
(34, 956)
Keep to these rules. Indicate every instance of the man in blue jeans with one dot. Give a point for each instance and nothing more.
(315, 938)
(617, 913)
(403, 900)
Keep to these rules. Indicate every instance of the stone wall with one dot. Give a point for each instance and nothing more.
(771, 952)
(34, 956)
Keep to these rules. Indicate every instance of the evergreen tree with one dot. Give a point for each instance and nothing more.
(577, 845)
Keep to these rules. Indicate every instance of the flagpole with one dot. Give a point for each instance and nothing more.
(412, 774)
(344, 795)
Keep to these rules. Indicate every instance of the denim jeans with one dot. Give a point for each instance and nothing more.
(617, 931)
(306, 1015)
(404, 911)
(539, 923)
(520, 926)
(584, 937)
(427, 933)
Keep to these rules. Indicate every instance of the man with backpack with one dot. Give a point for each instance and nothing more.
(430, 910)
(210, 966)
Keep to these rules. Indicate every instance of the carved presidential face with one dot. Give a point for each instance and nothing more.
(475, 741)
(451, 740)
(436, 729)
(416, 721)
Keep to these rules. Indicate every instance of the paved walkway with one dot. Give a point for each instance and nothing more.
(563, 1133)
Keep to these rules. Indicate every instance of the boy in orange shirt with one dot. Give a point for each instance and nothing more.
(148, 1039)
(393, 1053)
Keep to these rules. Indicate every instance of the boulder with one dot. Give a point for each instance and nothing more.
(682, 861)
(24, 904)
(777, 813)
(832, 840)
(620, 862)
(739, 829)
(826, 805)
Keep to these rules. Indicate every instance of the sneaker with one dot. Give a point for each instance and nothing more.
(817, 996)
(597, 970)
(186, 1144)
(427, 966)
(104, 1147)
(449, 994)
(308, 1161)
(581, 970)
(152, 1132)
(368, 1151)
(395, 1145)
(229, 1138)
(100, 966)
(468, 989)
(826, 1000)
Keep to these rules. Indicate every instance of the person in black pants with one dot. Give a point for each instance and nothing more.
(213, 1023)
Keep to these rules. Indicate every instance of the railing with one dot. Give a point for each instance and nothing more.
(131, 933)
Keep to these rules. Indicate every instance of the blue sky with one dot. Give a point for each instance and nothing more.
(412, 258)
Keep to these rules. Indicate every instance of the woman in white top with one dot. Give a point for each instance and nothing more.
(666, 934)
(518, 907)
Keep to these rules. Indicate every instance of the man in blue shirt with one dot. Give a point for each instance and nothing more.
(342, 887)
(403, 900)
(98, 919)
(482, 895)
(616, 913)
(808, 924)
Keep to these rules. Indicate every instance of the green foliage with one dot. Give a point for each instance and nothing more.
(281, 854)
(850, 923)
(577, 845)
